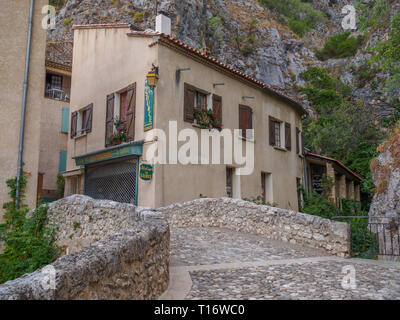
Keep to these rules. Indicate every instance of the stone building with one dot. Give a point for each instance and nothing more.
(113, 65)
(45, 136)
(346, 183)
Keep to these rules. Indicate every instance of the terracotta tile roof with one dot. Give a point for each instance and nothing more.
(59, 54)
(315, 155)
(165, 38)
(169, 40)
(101, 26)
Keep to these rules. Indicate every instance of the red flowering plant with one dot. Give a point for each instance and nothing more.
(120, 136)
(206, 118)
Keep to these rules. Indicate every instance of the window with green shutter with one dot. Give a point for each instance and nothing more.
(63, 162)
(65, 120)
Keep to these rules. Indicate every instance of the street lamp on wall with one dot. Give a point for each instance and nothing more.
(152, 77)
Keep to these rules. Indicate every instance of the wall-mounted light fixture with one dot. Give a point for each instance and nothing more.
(152, 77)
(178, 73)
(248, 97)
(218, 84)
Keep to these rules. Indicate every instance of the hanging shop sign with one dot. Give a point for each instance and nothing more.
(146, 172)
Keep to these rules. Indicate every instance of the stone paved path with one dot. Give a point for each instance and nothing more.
(212, 263)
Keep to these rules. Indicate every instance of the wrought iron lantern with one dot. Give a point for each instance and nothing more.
(152, 77)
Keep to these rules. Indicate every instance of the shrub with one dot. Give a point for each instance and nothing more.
(301, 17)
(67, 21)
(138, 17)
(340, 46)
(29, 242)
(60, 186)
(317, 205)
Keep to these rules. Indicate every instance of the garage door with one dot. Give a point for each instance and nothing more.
(114, 181)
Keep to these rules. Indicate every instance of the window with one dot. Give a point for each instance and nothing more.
(277, 133)
(81, 122)
(54, 87)
(200, 100)
(245, 120)
(121, 105)
(196, 98)
(280, 134)
(229, 182)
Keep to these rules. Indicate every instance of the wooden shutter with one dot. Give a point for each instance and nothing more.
(272, 131)
(297, 141)
(65, 120)
(88, 119)
(109, 117)
(188, 108)
(74, 123)
(288, 136)
(243, 119)
(217, 107)
(130, 114)
(302, 143)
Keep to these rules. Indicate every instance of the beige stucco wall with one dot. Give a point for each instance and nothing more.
(14, 16)
(107, 60)
(182, 183)
(52, 141)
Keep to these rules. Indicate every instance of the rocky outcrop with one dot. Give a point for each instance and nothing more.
(385, 208)
(386, 174)
(267, 50)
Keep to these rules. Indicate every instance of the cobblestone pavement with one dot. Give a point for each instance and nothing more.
(212, 263)
(204, 246)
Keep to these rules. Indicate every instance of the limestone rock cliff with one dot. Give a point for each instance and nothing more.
(386, 175)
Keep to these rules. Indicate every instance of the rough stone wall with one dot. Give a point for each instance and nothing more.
(278, 224)
(83, 221)
(131, 262)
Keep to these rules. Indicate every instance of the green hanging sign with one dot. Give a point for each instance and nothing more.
(146, 172)
(148, 107)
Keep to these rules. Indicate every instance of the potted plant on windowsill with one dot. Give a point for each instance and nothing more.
(206, 119)
(120, 136)
(117, 138)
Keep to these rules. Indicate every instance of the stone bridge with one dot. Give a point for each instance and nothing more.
(212, 249)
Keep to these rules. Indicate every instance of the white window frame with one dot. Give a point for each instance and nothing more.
(282, 137)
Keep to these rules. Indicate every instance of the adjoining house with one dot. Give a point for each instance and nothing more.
(346, 184)
(54, 126)
(42, 148)
(142, 82)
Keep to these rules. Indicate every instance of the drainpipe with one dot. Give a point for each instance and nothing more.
(23, 112)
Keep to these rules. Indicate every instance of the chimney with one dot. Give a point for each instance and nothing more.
(163, 23)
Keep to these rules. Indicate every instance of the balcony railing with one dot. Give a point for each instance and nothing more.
(58, 94)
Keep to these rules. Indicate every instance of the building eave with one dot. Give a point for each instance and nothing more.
(340, 164)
